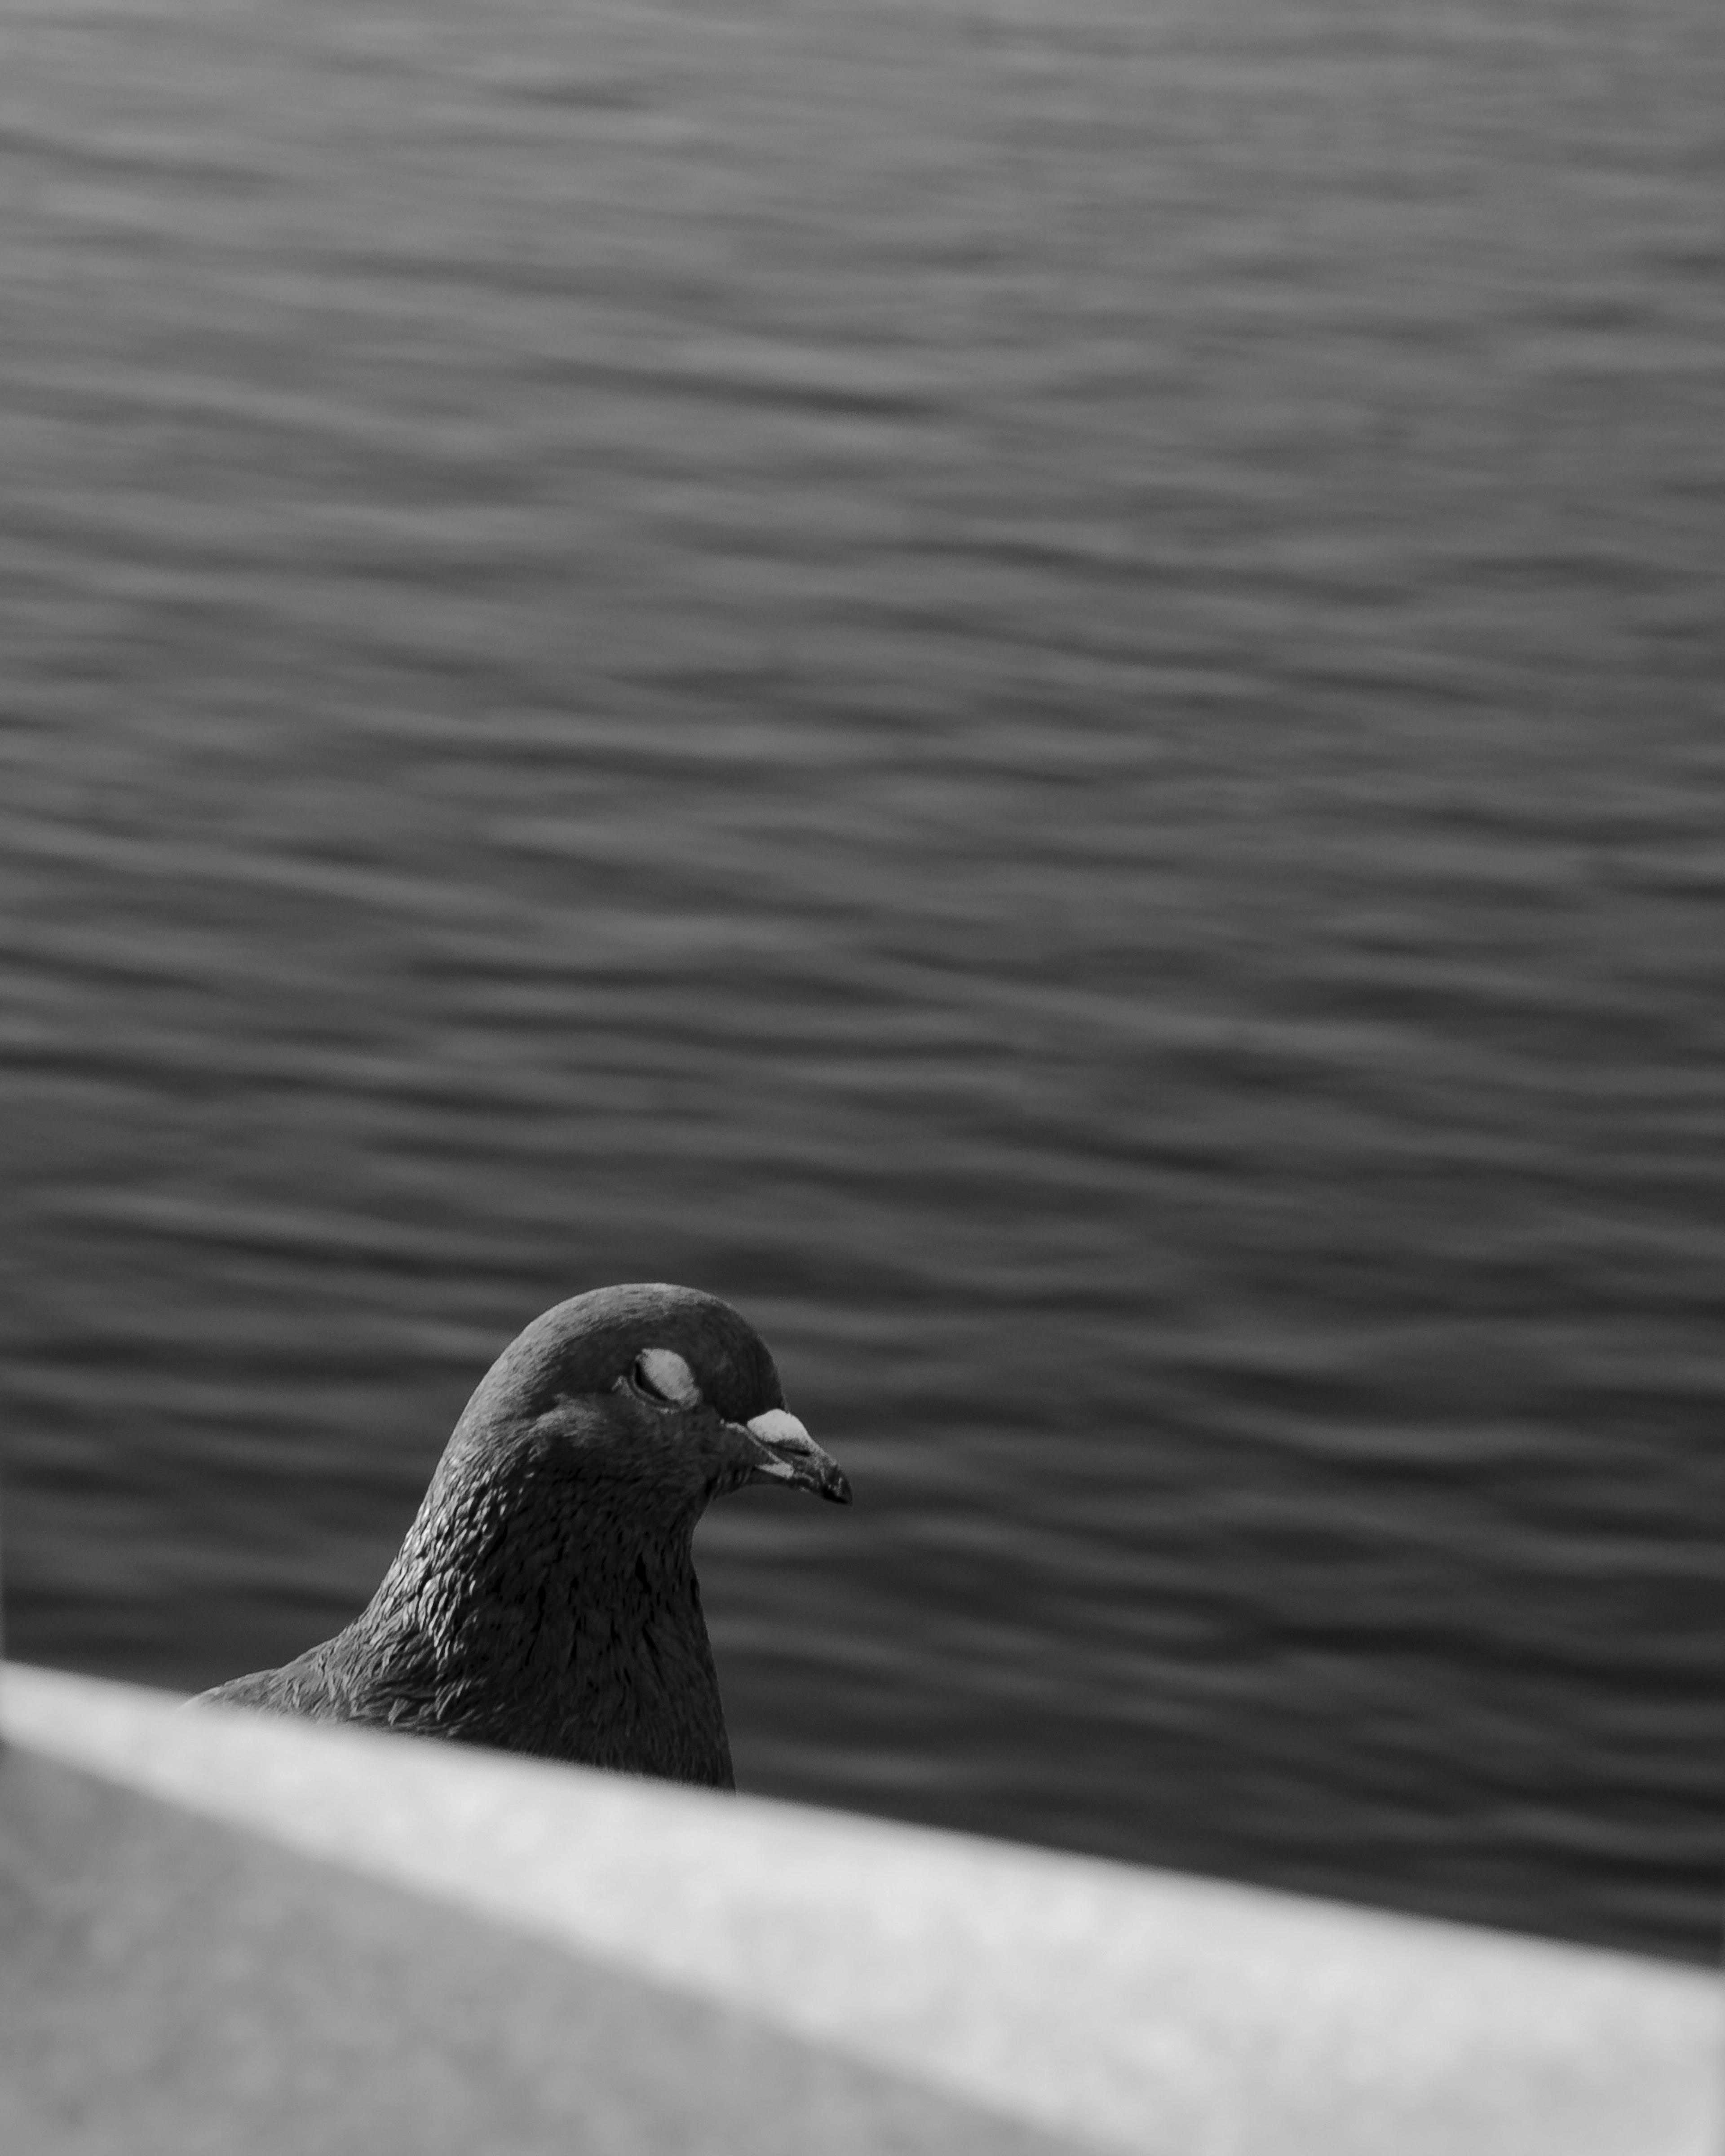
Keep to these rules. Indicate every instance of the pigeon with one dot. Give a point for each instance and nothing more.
(545, 1599)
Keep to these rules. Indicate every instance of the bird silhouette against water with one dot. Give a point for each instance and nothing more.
(545, 1599)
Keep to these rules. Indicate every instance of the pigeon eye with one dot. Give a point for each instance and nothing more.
(662, 1374)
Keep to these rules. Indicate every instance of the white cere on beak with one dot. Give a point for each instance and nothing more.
(779, 1426)
(663, 1371)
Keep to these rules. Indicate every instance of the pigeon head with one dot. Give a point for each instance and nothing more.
(662, 1390)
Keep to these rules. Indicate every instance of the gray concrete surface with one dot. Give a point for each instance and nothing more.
(880, 1982)
(170, 1986)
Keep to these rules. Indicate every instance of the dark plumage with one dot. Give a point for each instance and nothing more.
(545, 1599)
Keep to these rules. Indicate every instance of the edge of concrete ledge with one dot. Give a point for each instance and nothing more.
(1124, 2008)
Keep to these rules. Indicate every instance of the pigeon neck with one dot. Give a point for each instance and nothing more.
(565, 1621)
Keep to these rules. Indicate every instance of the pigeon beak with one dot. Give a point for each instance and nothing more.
(789, 1454)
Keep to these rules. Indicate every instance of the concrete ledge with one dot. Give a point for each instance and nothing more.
(884, 1987)
(170, 1986)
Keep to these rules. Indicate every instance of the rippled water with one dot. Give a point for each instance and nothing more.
(1035, 687)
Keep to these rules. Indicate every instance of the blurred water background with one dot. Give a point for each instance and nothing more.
(1032, 684)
